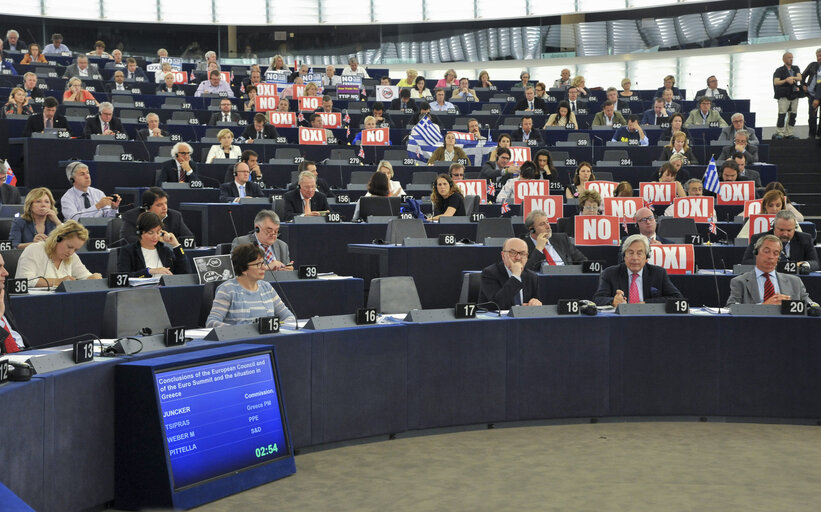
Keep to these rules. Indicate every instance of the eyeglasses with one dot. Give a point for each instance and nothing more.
(645, 219)
(183, 152)
(513, 253)
(257, 264)
(590, 208)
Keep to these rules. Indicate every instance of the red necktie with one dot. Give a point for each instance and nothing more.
(547, 257)
(9, 344)
(769, 289)
(182, 174)
(634, 290)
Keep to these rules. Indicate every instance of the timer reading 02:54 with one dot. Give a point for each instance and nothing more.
(263, 451)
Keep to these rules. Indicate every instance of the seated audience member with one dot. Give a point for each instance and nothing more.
(328, 105)
(210, 58)
(656, 115)
(378, 185)
(132, 72)
(118, 62)
(508, 283)
(330, 78)
(168, 86)
(563, 80)
(83, 200)
(525, 132)
(527, 171)
(13, 43)
(385, 80)
(156, 252)
(499, 170)
(545, 168)
(424, 111)
(225, 115)
(693, 187)
(670, 85)
(395, 187)
(669, 105)
(404, 101)
(447, 198)
(590, 202)
(630, 132)
(737, 124)
(250, 99)
(410, 78)
(541, 91)
(772, 203)
(266, 236)
(712, 90)
(225, 149)
(34, 55)
(579, 83)
(740, 145)
(52, 261)
(316, 121)
(353, 68)
(797, 247)
(728, 171)
(449, 80)
(626, 84)
(56, 47)
(449, 152)
(18, 103)
(583, 174)
(763, 285)
(277, 64)
(301, 72)
(240, 186)
(180, 169)
(669, 174)
(704, 115)
(776, 185)
(48, 119)
(152, 129)
(118, 83)
(464, 90)
(530, 102)
(678, 146)
(504, 141)
(574, 101)
(748, 174)
(104, 123)
(612, 95)
(564, 117)
(259, 129)
(369, 123)
(39, 218)
(646, 222)
(623, 189)
(214, 85)
(99, 51)
(159, 76)
(154, 200)
(30, 86)
(676, 124)
(8, 193)
(544, 245)
(322, 184)
(419, 91)
(474, 129)
(383, 119)
(524, 81)
(248, 296)
(440, 105)
(456, 171)
(305, 200)
(77, 94)
(82, 69)
(635, 281)
(609, 116)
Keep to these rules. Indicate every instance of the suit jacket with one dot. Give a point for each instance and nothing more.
(568, 252)
(294, 206)
(656, 284)
(138, 72)
(172, 223)
(269, 131)
(538, 104)
(216, 117)
(649, 117)
(142, 134)
(130, 259)
(750, 152)
(34, 124)
(73, 70)
(229, 191)
(722, 94)
(497, 287)
(9, 194)
(280, 248)
(744, 288)
(396, 104)
(518, 135)
(10, 318)
(95, 127)
(801, 249)
(599, 119)
(170, 173)
(695, 118)
(728, 134)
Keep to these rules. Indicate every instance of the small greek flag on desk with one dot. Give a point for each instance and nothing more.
(711, 177)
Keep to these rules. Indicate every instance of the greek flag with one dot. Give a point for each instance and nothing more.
(425, 137)
(711, 177)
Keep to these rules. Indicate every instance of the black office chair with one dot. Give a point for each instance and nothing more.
(10, 258)
(400, 229)
(494, 227)
(131, 310)
(676, 229)
(208, 291)
(471, 282)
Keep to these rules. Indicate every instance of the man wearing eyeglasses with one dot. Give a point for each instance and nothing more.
(180, 169)
(646, 222)
(266, 236)
(508, 283)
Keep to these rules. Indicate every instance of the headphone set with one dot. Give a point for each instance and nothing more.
(65, 235)
(19, 372)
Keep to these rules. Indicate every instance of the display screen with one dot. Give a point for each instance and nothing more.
(221, 417)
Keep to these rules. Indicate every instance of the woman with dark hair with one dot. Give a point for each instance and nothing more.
(563, 117)
(583, 174)
(776, 185)
(504, 142)
(669, 174)
(446, 197)
(623, 189)
(449, 152)
(676, 124)
(527, 171)
(247, 296)
(156, 252)
(419, 90)
(378, 185)
(34, 55)
(545, 167)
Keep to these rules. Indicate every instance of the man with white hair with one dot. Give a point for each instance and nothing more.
(83, 200)
(741, 144)
(210, 56)
(180, 169)
(634, 280)
(13, 43)
(737, 124)
(329, 79)
(153, 129)
(103, 124)
(353, 68)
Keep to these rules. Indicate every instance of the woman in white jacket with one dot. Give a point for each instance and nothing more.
(225, 149)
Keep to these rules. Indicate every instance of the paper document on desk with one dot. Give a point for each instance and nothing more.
(143, 281)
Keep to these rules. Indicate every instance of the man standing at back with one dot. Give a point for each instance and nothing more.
(786, 90)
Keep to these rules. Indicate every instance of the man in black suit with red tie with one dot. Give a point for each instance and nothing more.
(103, 124)
(508, 283)
(180, 168)
(543, 243)
(635, 281)
(305, 195)
(47, 119)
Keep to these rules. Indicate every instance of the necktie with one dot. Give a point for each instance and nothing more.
(86, 201)
(130, 75)
(105, 127)
(548, 258)
(517, 299)
(9, 343)
(259, 135)
(182, 174)
(787, 250)
(531, 106)
(241, 191)
(119, 87)
(573, 107)
(769, 289)
(49, 123)
(307, 207)
(634, 290)
(269, 254)
(225, 118)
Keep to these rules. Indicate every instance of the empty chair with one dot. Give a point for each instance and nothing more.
(77, 113)
(559, 157)
(163, 154)
(676, 229)
(108, 153)
(471, 282)
(224, 248)
(604, 176)
(173, 103)
(127, 312)
(112, 230)
(392, 295)
(360, 177)
(10, 258)
(494, 227)
(395, 156)
(111, 265)
(424, 177)
(130, 115)
(471, 205)
(342, 154)
(5, 228)
(122, 100)
(181, 117)
(285, 156)
(400, 229)
(615, 155)
(379, 206)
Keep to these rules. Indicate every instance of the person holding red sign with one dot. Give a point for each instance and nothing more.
(446, 197)
(508, 283)
(643, 282)
(450, 152)
(763, 285)
(772, 203)
(797, 247)
(545, 245)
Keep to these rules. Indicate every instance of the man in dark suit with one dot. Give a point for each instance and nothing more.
(103, 124)
(327, 105)
(132, 73)
(712, 90)
(796, 246)
(526, 132)
(305, 193)
(542, 244)
(118, 83)
(240, 187)
(152, 120)
(740, 145)
(508, 283)
(322, 184)
(30, 85)
(575, 102)
(82, 69)
(154, 200)
(763, 285)
(424, 110)
(259, 129)
(530, 102)
(404, 101)
(635, 280)
(224, 115)
(47, 119)
(655, 115)
(646, 222)
(180, 169)
(266, 236)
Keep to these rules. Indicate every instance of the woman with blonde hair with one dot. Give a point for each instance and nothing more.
(449, 80)
(225, 149)
(52, 261)
(386, 168)
(38, 220)
(678, 146)
(77, 93)
(410, 78)
(18, 103)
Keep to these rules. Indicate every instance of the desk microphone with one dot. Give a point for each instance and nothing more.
(479, 307)
(274, 275)
(233, 225)
(593, 145)
(715, 279)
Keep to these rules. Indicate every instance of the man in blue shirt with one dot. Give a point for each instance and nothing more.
(631, 132)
